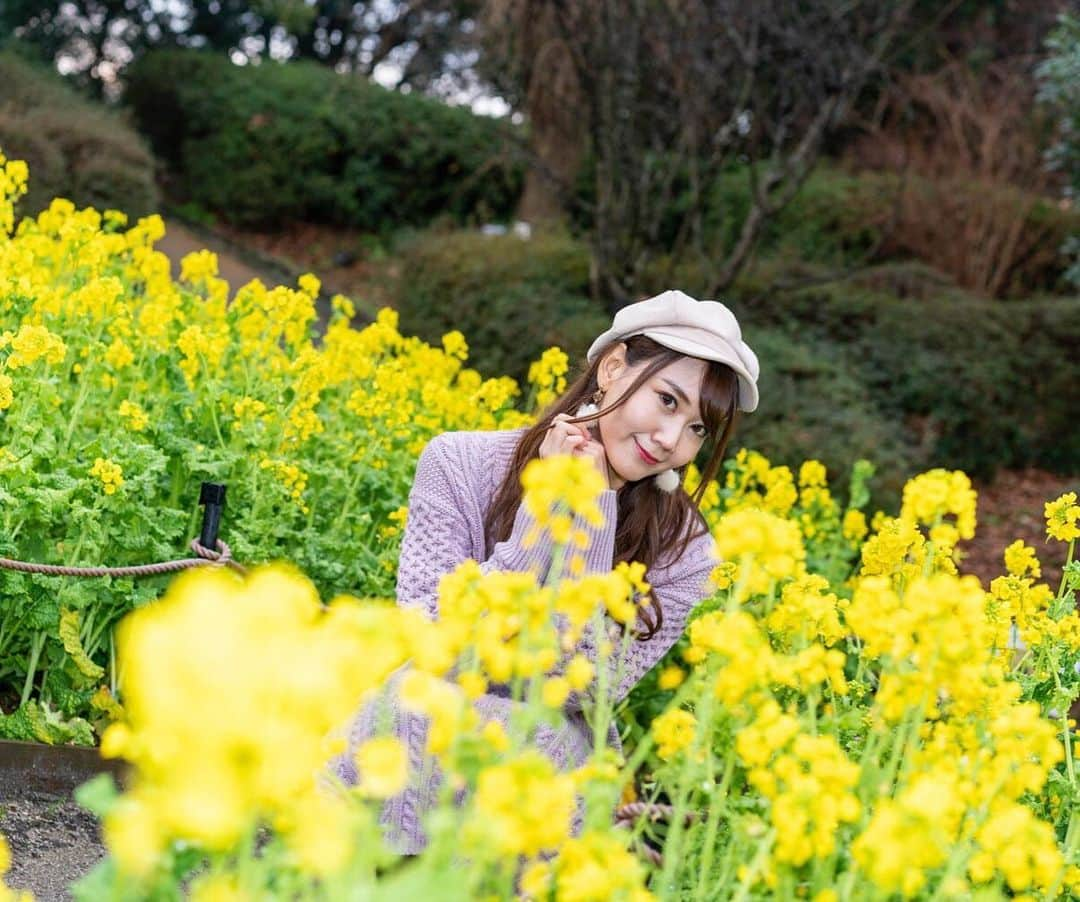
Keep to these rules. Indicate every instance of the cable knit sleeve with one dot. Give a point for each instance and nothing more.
(443, 522)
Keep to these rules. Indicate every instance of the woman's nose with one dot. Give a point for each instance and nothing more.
(667, 436)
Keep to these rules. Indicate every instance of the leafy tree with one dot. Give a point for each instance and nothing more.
(666, 95)
(1059, 78)
(428, 41)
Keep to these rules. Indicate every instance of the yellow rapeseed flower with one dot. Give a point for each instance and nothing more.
(523, 807)
(770, 547)
(1020, 559)
(673, 731)
(110, 474)
(558, 488)
(1063, 518)
(383, 765)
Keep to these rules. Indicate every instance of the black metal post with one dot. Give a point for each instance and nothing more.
(213, 496)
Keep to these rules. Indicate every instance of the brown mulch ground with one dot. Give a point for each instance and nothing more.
(1010, 508)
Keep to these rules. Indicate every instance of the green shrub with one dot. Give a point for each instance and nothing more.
(815, 405)
(511, 298)
(261, 145)
(975, 383)
(74, 148)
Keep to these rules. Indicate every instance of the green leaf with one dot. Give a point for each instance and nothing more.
(98, 795)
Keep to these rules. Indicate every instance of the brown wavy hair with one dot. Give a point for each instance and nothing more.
(650, 521)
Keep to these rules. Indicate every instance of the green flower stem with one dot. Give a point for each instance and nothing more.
(350, 494)
(747, 881)
(1066, 733)
(80, 399)
(673, 842)
(217, 428)
(1064, 575)
(36, 645)
(717, 805)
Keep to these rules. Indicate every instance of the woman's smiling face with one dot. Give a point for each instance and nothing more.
(660, 426)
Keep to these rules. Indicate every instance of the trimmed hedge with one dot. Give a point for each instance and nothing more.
(74, 148)
(511, 298)
(815, 405)
(974, 383)
(261, 145)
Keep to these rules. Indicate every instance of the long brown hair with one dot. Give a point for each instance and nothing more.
(650, 521)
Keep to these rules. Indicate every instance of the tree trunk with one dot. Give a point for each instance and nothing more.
(554, 103)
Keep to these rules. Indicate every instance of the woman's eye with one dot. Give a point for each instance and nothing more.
(664, 398)
(701, 431)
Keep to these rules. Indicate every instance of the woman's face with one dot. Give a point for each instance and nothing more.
(659, 427)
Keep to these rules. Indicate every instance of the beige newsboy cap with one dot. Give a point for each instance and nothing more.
(705, 329)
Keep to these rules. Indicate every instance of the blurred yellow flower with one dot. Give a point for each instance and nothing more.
(383, 765)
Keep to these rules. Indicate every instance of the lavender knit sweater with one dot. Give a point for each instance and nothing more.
(456, 479)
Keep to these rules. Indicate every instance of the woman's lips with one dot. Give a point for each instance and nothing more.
(645, 456)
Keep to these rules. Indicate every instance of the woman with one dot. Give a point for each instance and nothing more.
(669, 374)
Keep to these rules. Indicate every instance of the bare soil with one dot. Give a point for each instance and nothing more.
(1011, 507)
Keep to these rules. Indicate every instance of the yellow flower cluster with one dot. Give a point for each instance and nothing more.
(753, 482)
(14, 175)
(134, 416)
(6, 894)
(673, 731)
(1020, 559)
(290, 475)
(810, 784)
(1063, 518)
(930, 498)
(31, 344)
(766, 547)
(108, 473)
(523, 807)
(230, 690)
(592, 868)
(560, 488)
(548, 376)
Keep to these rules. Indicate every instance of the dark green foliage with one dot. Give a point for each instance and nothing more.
(511, 298)
(972, 383)
(74, 148)
(1059, 88)
(261, 145)
(814, 405)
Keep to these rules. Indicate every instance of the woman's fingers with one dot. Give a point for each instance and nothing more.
(564, 438)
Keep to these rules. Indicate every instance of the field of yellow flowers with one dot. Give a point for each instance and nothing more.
(847, 717)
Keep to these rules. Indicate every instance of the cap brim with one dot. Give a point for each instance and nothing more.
(748, 393)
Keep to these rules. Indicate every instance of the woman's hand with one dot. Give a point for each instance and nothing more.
(574, 439)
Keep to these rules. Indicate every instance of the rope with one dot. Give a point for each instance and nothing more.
(206, 558)
(625, 815)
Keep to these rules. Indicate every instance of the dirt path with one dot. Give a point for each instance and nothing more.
(179, 241)
(241, 258)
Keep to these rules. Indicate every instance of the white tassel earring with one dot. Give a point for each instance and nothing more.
(668, 481)
(593, 406)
